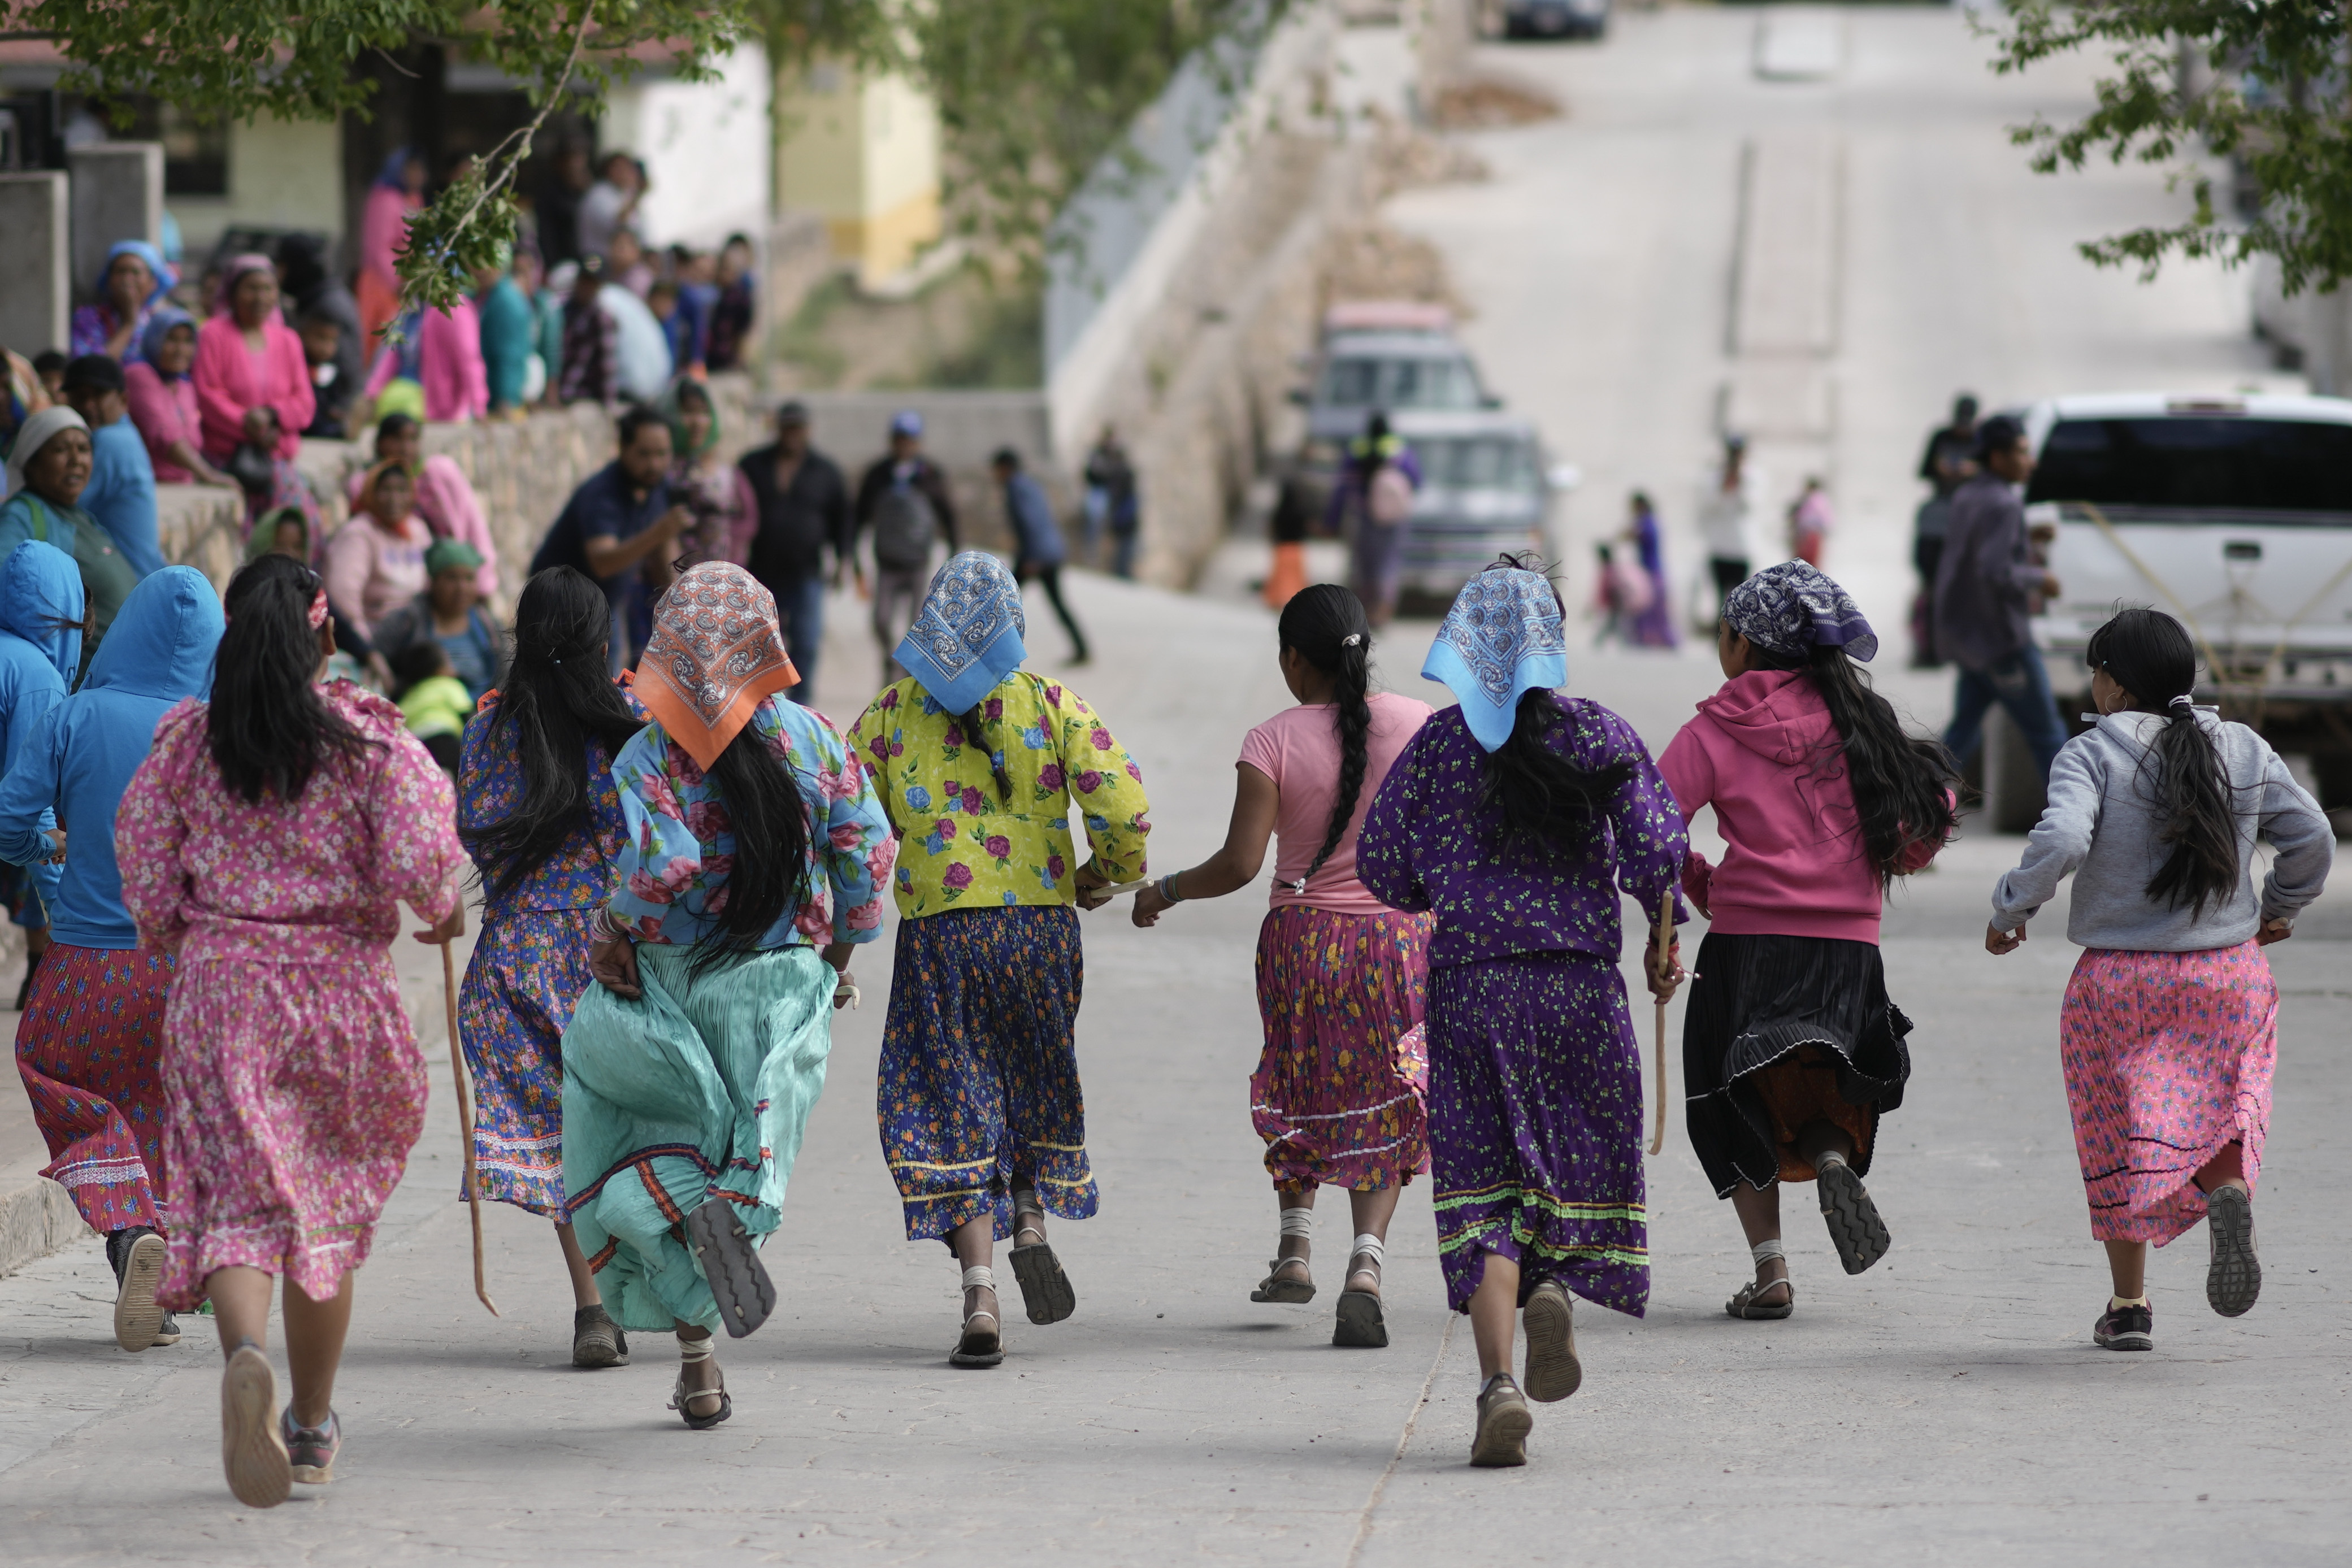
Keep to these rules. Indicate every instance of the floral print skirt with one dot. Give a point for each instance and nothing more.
(980, 1071)
(2168, 1059)
(529, 970)
(293, 1094)
(1338, 1091)
(1535, 1127)
(89, 1048)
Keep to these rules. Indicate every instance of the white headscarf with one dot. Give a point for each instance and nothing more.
(35, 433)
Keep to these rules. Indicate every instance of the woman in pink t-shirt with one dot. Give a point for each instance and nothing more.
(1339, 1095)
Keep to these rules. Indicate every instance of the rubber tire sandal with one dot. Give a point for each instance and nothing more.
(1745, 1305)
(738, 1281)
(253, 1451)
(2234, 1277)
(1045, 1290)
(1553, 1370)
(681, 1396)
(596, 1340)
(979, 1348)
(1290, 1291)
(137, 1318)
(1855, 1229)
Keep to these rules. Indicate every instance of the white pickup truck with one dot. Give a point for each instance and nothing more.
(2234, 514)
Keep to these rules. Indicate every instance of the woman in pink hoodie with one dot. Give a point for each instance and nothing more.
(1790, 1047)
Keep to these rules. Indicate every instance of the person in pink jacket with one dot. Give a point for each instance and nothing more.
(375, 563)
(446, 499)
(249, 364)
(1791, 1049)
(448, 365)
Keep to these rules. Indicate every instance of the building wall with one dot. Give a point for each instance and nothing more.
(282, 174)
(706, 146)
(862, 154)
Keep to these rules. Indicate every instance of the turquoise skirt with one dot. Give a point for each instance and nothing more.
(698, 1092)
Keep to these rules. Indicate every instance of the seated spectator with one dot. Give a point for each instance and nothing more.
(589, 361)
(250, 373)
(132, 286)
(677, 331)
(433, 701)
(162, 399)
(446, 499)
(729, 337)
(48, 469)
(375, 563)
(49, 366)
(322, 351)
(311, 290)
(122, 491)
(449, 613)
(442, 353)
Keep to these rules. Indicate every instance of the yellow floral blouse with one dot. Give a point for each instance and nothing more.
(962, 846)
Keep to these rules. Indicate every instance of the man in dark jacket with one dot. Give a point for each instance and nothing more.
(803, 511)
(619, 528)
(1983, 586)
(903, 500)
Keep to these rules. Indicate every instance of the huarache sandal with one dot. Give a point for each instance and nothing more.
(1287, 1288)
(1360, 1324)
(982, 1343)
(253, 1451)
(738, 1281)
(683, 1399)
(138, 1264)
(2233, 1278)
(597, 1340)
(1503, 1423)
(1855, 1229)
(1553, 1370)
(1745, 1304)
(310, 1450)
(1045, 1291)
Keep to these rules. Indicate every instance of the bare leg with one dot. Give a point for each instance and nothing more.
(575, 1263)
(1817, 1138)
(1372, 1212)
(1760, 1216)
(1494, 1315)
(975, 1246)
(2128, 1262)
(2227, 1168)
(240, 1298)
(314, 1348)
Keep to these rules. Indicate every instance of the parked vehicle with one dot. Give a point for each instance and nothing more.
(2233, 514)
(1392, 356)
(1485, 489)
(1555, 19)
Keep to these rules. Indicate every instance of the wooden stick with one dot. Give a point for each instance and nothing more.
(1660, 965)
(465, 1117)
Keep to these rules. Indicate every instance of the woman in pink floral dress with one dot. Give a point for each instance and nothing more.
(264, 843)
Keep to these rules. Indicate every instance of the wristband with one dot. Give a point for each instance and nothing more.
(1167, 888)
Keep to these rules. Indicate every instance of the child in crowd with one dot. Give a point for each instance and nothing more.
(2170, 1029)
(432, 700)
(1790, 1047)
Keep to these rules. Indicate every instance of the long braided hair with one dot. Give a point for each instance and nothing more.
(1326, 625)
(2149, 653)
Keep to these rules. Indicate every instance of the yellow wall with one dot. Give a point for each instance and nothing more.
(863, 154)
(281, 175)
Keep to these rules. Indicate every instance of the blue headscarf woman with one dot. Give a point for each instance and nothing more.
(130, 285)
(1520, 818)
(41, 610)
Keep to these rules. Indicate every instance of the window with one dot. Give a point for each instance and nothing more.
(1418, 382)
(2144, 468)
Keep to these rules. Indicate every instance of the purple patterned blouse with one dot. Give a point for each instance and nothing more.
(1431, 841)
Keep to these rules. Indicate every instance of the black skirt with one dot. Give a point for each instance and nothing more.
(1778, 1030)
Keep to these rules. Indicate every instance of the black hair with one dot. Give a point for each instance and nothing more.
(1903, 785)
(1376, 433)
(95, 372)
(690, 388)
(267, 727)
(1006, 458)
(320, 314)
(2149, 654)
(420, 661)
(394, 425)
(1964, 408)
(1997, 436)
(636, 419)
(303, 258)
(555, 701)
(974, 722)
(770, 820)
(1326, 624)
(1547, 800)
(48, 359)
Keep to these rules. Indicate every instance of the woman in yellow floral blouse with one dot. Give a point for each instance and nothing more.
(982, 767)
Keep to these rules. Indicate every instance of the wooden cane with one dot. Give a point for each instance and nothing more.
(1661, 965)
(465, 1117)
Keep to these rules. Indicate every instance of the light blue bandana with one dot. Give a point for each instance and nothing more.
(1502, 639)
(967, 636)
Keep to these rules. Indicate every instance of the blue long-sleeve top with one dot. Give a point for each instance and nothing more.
(77, 757)
(40, 598)
(121, 494)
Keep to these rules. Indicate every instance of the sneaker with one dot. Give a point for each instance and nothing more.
(1503, 1423)
(253, 1450)
(1553, 1370)
(597, 1340)
(2124, 1328)
(310, 1450)
(2234, 1277)
(167, 1331)
(138, 1258)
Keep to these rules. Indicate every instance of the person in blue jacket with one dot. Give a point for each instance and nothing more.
(89, 1045)
(41, 612)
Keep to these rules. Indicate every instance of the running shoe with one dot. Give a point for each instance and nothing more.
(253, 1450)
(597, 1340)
(1503, 1423)
(167, 1331)
(1553, 1370)
(138, 1257)
(2234, 1277)
(2124, 1328)
(310, 1450)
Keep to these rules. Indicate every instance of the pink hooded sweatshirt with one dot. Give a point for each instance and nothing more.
(1762, 753)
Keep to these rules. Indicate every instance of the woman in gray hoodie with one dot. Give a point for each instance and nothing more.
(2170, 1029)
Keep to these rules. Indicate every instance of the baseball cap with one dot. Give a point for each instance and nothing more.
(906, 421)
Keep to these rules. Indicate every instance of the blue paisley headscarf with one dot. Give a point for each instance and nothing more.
(967, 636)
(1790, 608)
(1502, 639)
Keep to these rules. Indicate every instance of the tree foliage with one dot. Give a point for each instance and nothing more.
(2260, 82)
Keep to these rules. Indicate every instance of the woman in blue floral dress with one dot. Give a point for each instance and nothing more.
(537, 812)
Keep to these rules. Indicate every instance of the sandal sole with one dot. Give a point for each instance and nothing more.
(1284, 1292)
(1360, 1324)
(1754, 1313)
(1502, 1439)
(252, 1454)
(137, 1318)
(704, 1423)
(976, 1359)
(2233, 1279)
(738, 1281)
(1855, 1229)
(1045, 1289)
(1553, 1370)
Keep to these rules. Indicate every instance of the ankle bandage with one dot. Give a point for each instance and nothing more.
(1371, 1247)
(1299, 1222)
(1764, 1251)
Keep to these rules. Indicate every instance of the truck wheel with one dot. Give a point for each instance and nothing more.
(2012, 784)
(2332, 771)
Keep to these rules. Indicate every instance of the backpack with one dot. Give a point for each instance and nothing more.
(904, 526)
(1388, 499)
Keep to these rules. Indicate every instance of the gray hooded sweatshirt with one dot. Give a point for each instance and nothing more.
(2101, 825)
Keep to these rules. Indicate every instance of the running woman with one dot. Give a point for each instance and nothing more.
(2170, 1029)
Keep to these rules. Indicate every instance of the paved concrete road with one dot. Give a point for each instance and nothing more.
(1946, 1407)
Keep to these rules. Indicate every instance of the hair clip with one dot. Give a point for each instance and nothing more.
(1351, 639)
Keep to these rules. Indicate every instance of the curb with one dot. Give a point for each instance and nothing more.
(36, 1217)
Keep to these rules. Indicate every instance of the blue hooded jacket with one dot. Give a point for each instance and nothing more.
(40, 587)
(78, 757)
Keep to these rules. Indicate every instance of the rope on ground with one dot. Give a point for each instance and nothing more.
(1404, 1440)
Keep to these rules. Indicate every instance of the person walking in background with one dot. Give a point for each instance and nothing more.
(120, 495)
(91, 1042)
(398, 191)
(1727, 510)
(1983, 583)
(619, 528)
(1810, 521)
(1111, 502)
(800, 509)
(1790, 1049)
(1370, 507)
(539, 815)
(1946, 464)
(1342, 979)
(1517, 817)
(1293, 515)
(132, 285)
(1655, 626)
(904, 500)
(749, 870)
(40, 649)
(1037, 555)
(162, 398)
(2169, 1034)
(982, 767)
(293, 1087)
